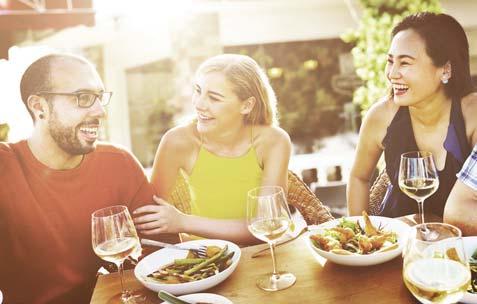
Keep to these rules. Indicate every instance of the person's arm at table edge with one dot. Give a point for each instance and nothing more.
(460, 209)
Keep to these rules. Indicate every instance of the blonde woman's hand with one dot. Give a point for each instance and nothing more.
(159, 218)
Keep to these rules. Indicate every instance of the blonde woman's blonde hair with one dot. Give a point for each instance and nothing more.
(247, 80)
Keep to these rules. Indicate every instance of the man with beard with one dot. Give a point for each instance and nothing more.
(52, 182)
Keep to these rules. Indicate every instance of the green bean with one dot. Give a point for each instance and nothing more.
(206, 262)
(187, 262)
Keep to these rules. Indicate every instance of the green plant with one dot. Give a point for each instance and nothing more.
(308, 106)
(372, 39)
(4, 128)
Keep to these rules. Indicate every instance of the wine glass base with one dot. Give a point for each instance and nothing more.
(131, 297)
(429, 235)
(274, 282)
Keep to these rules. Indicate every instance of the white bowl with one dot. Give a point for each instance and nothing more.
(204, 297)
(388, 224)
(165, 256)
(470, 245)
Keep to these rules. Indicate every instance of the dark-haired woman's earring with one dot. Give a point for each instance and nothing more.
(445, 80)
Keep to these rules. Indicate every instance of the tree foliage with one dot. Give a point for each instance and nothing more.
(4, 128)
(372, 39)
(308, 107)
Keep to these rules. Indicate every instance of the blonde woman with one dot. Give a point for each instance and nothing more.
(234, 145)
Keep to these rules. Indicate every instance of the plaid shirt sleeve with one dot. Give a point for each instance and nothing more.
(468, 173)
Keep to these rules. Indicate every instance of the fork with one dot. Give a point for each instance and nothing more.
(201, 250)
(264, 250)
(296, 216)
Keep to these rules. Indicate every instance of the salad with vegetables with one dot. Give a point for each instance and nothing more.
(473, 271)
(348, 238)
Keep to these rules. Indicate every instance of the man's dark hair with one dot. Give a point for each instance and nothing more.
(37, 76)
(445, 41)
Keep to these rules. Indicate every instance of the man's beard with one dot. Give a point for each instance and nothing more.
(66, 138)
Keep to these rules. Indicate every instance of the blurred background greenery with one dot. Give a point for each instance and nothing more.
(372, 40)
(4, 131)
(301, 74)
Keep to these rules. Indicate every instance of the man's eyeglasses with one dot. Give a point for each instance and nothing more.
(85, 99)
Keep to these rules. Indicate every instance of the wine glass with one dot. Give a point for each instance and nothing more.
(418, 177)
(114, 239)
(435, 268)
(268, 218)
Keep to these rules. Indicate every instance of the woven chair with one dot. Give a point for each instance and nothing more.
(181, 196)
(377, 192)
(302, 198)
(299, 195)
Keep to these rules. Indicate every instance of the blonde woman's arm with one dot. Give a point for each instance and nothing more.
(162, 217)
(273, 147)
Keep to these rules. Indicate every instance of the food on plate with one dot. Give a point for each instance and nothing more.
(349, 238)
(473, 270)
(193, 268)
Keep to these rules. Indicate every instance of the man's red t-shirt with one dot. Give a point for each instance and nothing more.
(46, 255)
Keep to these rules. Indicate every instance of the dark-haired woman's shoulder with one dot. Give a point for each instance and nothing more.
(378, 118)
(469, 110)
(383, 110)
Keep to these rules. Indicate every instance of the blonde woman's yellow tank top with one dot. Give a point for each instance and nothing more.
(219, 185)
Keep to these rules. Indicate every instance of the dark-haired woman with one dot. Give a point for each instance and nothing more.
(431, 107)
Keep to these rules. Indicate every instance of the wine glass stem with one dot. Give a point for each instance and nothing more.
(124, 292)
(274, 263)
(420, 206)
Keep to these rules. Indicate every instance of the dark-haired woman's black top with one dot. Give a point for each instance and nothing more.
(400, 139)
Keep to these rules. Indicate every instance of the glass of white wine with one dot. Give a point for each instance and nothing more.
(418, 177)
(435, 269)
(268, 218)
(114, 239)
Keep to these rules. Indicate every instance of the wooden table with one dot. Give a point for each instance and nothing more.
(317, 281)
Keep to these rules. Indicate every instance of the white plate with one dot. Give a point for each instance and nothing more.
(204, 297)
(1, 297)
(388, 224)
(165, 256)
(470, 245)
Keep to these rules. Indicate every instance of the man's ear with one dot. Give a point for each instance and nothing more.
(38, 106)
(247, 105)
